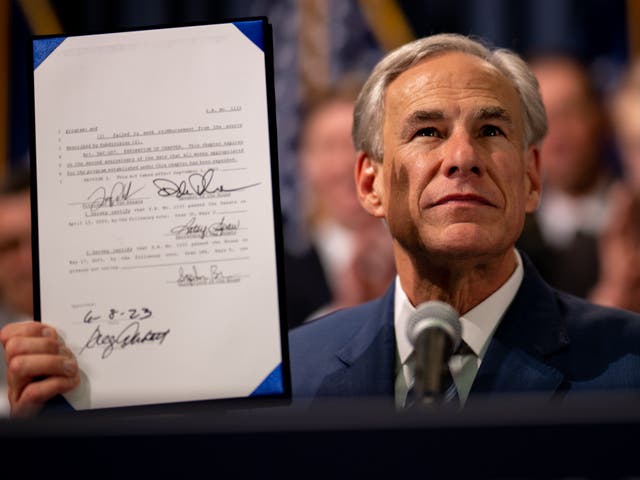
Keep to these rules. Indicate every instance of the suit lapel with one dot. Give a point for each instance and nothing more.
(519, 357)
(368, 358)
(508, 369)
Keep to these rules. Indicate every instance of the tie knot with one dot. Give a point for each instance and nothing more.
(463, 349)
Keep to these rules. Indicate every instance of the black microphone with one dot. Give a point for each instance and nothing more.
(435, 332)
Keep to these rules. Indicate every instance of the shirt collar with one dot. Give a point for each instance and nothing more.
(478, 324)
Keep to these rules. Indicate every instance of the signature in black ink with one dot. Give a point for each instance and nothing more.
(115, 314)
(119, 194)
(190, 278)
(196, 184)
(130, 335)
(191, 229)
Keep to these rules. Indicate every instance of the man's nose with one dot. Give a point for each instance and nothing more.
(460, 156)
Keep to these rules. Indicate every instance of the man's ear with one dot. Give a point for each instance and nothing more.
(369, 184)
(533, 180)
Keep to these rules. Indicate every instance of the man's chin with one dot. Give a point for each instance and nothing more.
(464, 242)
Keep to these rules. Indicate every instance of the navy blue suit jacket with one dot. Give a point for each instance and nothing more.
(548, 342)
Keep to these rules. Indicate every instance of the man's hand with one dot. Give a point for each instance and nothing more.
(371, 269)
(619, 249)
(39, 366)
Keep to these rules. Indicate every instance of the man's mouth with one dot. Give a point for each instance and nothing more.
(462, 198)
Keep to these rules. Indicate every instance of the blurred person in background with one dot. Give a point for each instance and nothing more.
(619, 283)
(561, 237)
(16, 281)
(348, 258)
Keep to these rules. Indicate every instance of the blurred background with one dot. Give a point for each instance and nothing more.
(318, 43)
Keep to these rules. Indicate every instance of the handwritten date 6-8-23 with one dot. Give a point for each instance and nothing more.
(114, 314)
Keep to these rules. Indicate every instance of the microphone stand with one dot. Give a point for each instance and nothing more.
(433, 350)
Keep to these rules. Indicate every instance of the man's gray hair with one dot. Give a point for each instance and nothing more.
(369, 110)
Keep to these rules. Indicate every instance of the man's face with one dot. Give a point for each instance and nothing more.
(570, 151)
(16, 281)
(455, 178)
(328, 160)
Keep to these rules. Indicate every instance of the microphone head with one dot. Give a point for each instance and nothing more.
(435, 314)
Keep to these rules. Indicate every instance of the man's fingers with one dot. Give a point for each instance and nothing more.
(22, 370)
(38, 365)
(37, 393)
(26, 329)
(33, 345)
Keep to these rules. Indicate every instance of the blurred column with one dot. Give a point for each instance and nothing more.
(388, 23)
(41, 17)
(313, 48)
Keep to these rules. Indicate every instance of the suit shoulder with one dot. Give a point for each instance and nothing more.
(314, 346)
(605, 345)
(582, 315)
(326, 334)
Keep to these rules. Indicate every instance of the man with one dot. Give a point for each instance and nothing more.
(619, 282)
(561, 238)
(16, 282)
(16, 308)
(348, 258)
(447, 136)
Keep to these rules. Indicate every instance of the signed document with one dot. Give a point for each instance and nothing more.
(156, 225)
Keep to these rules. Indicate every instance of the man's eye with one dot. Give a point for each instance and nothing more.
(490, 131)
(428, 132)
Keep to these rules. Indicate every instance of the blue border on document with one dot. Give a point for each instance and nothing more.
(271, 385)
(253, 31)
(43, 47)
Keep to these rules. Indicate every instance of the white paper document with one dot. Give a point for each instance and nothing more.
(155, 213)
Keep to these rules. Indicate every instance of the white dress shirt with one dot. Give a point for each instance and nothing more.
(478, 326)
